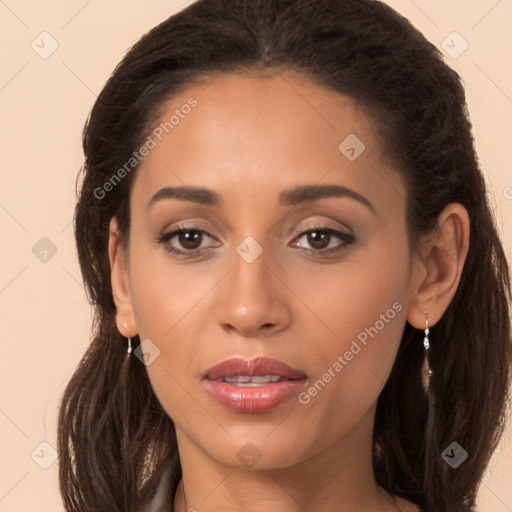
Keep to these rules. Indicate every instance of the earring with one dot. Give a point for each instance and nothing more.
(426, 343)
(426, 371)
(125, 325)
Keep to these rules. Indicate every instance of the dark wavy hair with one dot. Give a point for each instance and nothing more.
(114, 438)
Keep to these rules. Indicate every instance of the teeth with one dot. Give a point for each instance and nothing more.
(254, 380)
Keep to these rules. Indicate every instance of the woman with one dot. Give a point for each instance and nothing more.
(302, 302)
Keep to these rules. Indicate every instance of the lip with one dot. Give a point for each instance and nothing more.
(253, 399)
(253, 367)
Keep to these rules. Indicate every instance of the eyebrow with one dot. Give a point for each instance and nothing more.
(291, 197)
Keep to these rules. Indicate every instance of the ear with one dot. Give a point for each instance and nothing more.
(438, 267)
(120, 282)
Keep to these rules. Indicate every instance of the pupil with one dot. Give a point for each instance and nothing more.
(317, 239)
(187, 241)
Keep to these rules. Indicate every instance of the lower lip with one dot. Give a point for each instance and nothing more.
(253, 399)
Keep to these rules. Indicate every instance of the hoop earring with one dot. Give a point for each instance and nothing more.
(426, 370)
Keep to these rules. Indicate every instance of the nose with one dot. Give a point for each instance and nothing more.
(252, 299)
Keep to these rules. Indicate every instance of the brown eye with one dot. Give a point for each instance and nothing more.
(319, 240)
(187, 241)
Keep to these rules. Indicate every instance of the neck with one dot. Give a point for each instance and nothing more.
(340, 477)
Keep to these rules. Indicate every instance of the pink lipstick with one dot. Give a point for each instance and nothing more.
(253, 386)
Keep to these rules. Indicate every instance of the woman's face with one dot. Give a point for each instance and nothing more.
(319, 280)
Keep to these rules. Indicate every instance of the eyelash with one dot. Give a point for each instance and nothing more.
(165, 237)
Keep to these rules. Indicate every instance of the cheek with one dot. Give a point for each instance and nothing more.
(171, 304)
(368, 288)
(360, 313)
(165, 292)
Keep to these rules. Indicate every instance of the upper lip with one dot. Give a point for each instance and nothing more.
(254, 367)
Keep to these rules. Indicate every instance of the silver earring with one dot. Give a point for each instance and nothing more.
(426, 371)
(426, 343)
(125, 325)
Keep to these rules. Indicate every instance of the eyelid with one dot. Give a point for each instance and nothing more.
(303, 230)
(321, 225)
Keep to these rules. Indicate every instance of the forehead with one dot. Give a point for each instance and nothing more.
(249, 133)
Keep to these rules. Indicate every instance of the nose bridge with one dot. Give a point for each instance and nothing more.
(251, 273)
(251, 297)
(251, 284)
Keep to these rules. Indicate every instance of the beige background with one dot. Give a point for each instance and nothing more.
(43, 105)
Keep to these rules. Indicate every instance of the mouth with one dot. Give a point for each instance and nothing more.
(261, 369)
(253, 386)
(248, 381)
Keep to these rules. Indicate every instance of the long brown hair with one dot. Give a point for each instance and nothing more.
(114, 438)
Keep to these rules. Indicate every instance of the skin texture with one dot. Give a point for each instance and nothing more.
(248, 139)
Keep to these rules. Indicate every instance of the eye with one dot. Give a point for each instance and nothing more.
(190, 241)
(320, 240)
(189, 238)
